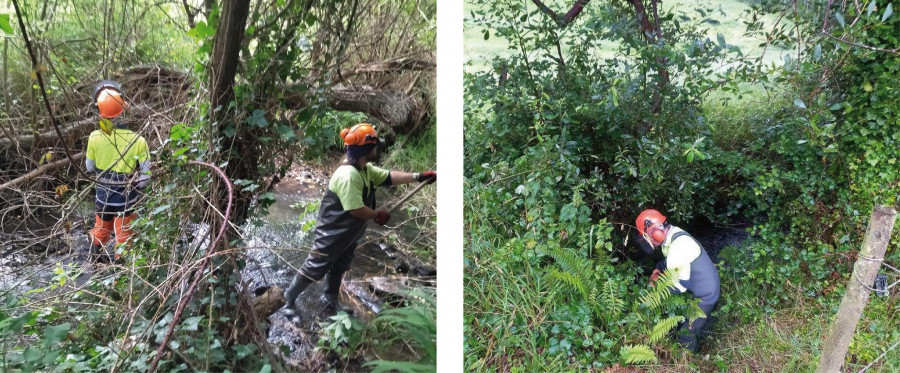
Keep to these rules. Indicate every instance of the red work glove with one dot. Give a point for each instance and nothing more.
(654, 276)
(382, 217)
(429, 176)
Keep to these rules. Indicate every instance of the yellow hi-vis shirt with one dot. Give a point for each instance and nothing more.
(349, 183)
(122, 151)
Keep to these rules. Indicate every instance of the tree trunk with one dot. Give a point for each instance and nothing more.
(881, 223)
(652, 32)
(238, 151)
(189, 14)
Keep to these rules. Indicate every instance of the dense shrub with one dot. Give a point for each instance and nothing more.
(563, 149)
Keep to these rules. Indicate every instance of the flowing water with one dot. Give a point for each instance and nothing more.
(279, 243)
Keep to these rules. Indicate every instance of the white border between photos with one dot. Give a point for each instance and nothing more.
(450, 196)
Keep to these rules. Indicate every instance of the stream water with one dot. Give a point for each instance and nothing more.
(278, 246)
(278, 243)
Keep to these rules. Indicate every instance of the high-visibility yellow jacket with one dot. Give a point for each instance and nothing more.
(121, 151)
(116, 157)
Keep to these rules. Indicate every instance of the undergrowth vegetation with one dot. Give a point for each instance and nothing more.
(64, 314)
(566, 143)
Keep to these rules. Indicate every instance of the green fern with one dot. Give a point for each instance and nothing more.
(614, 304)
(570, 279)
(571, 262)
(662, 328)
(655, 296)
(638, 354)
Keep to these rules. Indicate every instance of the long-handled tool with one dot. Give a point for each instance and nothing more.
(407, 197)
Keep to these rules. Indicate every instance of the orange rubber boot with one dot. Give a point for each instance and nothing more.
(102, 230)
(123, 230)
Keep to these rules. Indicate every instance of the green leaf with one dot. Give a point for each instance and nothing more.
(887, 12)
(286, 132)
(799, 103)
(4, 24)
(487, 34)
(836, 106)
(258, 118)
(266, 369)
(32, 354)
(191, 323)
(839, 18)
(55, 334)
(160, 209)
(721, 39)
(201, 31)
(817, 54)
(871, 8)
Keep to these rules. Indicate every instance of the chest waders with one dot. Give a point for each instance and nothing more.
(704, 284)
(337, 234)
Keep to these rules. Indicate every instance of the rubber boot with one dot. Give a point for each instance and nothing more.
(299, 284)
(689, 334)
(331, 295)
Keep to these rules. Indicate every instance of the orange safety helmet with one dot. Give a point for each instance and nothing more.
(108, 99)
(359, 134)
(650, 223)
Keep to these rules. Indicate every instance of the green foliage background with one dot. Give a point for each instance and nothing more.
(560, 157)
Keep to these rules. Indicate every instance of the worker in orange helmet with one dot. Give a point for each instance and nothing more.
(686, 259)
(121, 160)
(347, 207)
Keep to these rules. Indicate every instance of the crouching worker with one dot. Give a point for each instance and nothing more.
(346, 208)
(121, 160)
(686, 259)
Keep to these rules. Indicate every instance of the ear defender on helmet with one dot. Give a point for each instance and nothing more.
(650, 223)
(658, 234)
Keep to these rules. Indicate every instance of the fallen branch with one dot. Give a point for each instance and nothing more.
(46, 137)
(40, 171)
(396, 65)
(399, 111)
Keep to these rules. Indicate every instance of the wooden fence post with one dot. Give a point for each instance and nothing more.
(881, 223)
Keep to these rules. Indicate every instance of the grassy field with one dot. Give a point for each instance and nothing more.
(725, 18)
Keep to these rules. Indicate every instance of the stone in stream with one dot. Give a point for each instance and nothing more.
(271, 299)
(363, 301)
(395, 288)
(389, 250)
(401, 266)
